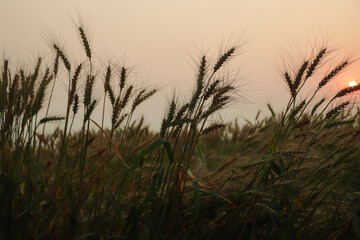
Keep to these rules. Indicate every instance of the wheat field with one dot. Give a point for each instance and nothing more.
(292, 174)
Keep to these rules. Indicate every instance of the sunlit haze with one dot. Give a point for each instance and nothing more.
(160, 40)
(352, 83)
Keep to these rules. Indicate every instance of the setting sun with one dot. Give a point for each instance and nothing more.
(352, 83)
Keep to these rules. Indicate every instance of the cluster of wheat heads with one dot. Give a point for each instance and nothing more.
(293, 174)
(72, 182)
(52, 174)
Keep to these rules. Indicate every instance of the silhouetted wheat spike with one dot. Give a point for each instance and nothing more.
(166, 123)
(115, 111)
(85, 42)
(333, 112)
(3, 86)
(297, 109)
(212, 128)
(5, 73)
(142, 97)
(305, 134)
(223, 59)
(63, 57)
(50, 119)
(107, 78)
(163, 128)
(126, 98)
(317, 106)
(13, 91)
(176, 132)
(138, 97)
(171, 112)
(315, 63)
(36, 71)
(303, 122)
(39, 97)
(74, 81)
(123, 77)
(107, 87)
(211, 90)
(31, 89)
(89, 110)
(12, 102)
(290, 84)
(299, 75)
(219, 100)
(335, 71)
(88, 90)
(24, 90)
(181, 111)
(55, 72)
(111, 94)
(346, 91)
(76, 104)
(216, 105)
(338, 123)
(199, 84)
(117, 124)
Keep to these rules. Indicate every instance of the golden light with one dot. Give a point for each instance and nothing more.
(352, 84)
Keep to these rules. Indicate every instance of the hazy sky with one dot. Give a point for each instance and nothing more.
(159, 37)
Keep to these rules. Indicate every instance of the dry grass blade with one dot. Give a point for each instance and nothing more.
(271, 110)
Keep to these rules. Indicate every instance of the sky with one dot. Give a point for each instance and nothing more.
(160, 39)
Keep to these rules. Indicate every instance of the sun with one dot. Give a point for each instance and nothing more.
(352, 84)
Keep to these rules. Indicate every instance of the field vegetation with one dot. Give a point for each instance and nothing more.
(290, 175)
